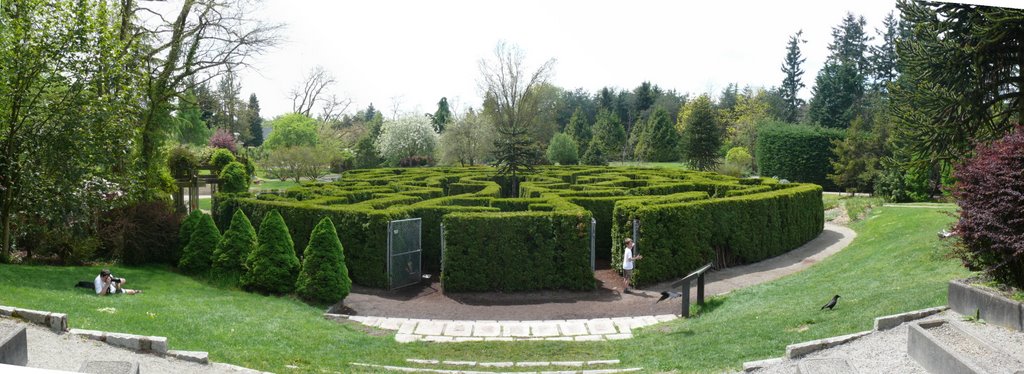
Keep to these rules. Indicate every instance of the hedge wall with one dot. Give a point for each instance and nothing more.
(736, 230)
(798, 153)
(531, 251)
(541, 239)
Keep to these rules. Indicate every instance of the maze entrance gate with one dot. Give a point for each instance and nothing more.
(405, 250)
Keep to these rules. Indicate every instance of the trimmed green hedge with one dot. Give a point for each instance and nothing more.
(530, 251)
(683, 236)
(798, 153)
(546, 229)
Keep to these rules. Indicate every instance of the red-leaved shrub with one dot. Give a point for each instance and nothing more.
(223, 138)
(990, 192)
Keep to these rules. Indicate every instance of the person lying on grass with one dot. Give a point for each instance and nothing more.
(107, 284)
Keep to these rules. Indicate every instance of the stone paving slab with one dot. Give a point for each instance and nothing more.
(601, 326)
(573, 328)
(458, 328)
(544, 329)
(486, 329)
(429, 328)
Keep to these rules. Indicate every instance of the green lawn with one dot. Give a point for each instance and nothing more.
(896, 264)
(272, 184)
(206, 204)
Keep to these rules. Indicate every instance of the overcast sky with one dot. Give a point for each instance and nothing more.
(408, 54)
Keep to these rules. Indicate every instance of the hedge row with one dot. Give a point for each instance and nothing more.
(548, 224)
(799, 153)
(683, 236)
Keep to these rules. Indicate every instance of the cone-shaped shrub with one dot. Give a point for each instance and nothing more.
(324, 277)
(198, 254)
(233, 249)
(187, 226)
(273, 266)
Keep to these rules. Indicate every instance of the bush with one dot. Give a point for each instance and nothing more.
(273, 266)
(414, 161)
(594, 156)
(181, 162)
(990, 193)
(234, 178)
(234, 248)
(197, 256)
(324, 277)
(341, 161)
(563, 150)
(798, 153)
(144, 233)
(405, 137)
(224, 139)
(221, 158)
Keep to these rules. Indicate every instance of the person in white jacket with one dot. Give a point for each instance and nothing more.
(107, 284)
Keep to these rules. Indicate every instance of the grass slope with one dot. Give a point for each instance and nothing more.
(896, 264)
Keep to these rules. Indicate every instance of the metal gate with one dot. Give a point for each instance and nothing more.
(636, 236)
(405, 267)
(593, 241)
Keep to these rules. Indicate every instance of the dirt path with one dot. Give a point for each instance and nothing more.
(429, 302)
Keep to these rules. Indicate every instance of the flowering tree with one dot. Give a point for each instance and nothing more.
(408, 136)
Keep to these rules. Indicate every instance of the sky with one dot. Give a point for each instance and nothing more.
(403, 56)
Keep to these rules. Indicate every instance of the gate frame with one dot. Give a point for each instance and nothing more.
(391, 286)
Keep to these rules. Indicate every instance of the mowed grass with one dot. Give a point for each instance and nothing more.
(896, 264)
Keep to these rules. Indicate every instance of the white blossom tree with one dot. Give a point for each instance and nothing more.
(406, 136)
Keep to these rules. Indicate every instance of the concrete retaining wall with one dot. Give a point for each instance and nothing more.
(993, 308)
(13, 345)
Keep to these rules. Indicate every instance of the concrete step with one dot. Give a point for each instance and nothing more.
(110, 367)
(942, 347)
(13, 345)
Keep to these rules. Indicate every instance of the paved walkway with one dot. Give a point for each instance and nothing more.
(833, 239)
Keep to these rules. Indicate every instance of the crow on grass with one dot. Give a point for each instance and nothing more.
(831, 303)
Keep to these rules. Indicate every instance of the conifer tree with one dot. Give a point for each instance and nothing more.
(236, 245)
(608, 133)
(197, 256)
(324, 276)
(273, 266)
(701, 135)
(792, 83)
(660, 141)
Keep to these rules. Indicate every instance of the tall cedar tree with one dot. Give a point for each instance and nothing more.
(234, 248)
(324, 276)
(255, 122)
(197, 256)
(701, 135)
(273, 266)
(990, 192)
(793, 82)
(837, 92)
(850, 44)
(660, 141)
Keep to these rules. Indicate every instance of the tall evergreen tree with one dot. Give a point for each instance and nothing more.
(609, 135)
(190, 125)
(850, 44)
(883, 56)
(442, 117)
(792, 83)
(579, 129)
(701, 135)
(837, 93)
(255, 122)
(659, 143)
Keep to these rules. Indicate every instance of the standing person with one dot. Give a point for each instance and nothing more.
(107, 284)
(627, 264)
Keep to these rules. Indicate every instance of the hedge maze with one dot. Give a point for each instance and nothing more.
(541, 240)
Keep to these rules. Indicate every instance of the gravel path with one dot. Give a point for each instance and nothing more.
(49, 350)
(886, 351)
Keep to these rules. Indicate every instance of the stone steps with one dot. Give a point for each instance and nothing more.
(411, 330)
(469, 367)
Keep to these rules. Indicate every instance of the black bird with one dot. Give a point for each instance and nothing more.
(668, 295)
(831, 303)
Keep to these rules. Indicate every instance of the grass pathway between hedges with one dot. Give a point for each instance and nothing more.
(895, 264)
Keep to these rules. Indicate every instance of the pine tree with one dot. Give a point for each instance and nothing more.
(701, 135)
(850, 44)
(324, 276)
(233, 249)
(579, 129)
(792, 83)
(884, 57)
(837, 92)
(608, 133)
(273, 266)
(659, 143)
(255, 122)
(197, 256)
(188, 225)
